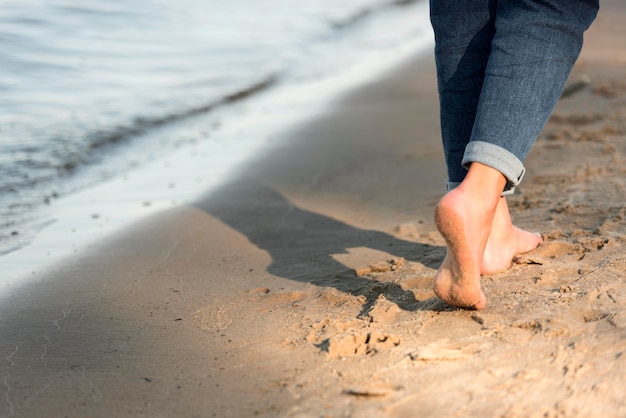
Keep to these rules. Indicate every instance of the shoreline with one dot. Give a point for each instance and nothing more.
(302, 286)
(88, 216)
(112, 123)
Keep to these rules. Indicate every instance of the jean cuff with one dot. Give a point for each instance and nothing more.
(451, 185)
(496, 157)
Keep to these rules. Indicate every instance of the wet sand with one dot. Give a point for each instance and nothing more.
(302, 288)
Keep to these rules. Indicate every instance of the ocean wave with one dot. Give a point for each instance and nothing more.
(30, 173)
(358, 15)
(142, 124)
(74, 97)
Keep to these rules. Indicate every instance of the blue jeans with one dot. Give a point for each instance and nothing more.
(501, 68)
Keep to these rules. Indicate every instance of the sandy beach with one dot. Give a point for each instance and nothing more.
(302, 287)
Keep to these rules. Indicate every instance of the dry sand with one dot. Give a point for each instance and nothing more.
(303, 287)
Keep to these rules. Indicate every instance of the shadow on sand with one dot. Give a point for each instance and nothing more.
(302, 243)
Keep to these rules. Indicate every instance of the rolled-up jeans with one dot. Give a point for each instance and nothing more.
(501, 68)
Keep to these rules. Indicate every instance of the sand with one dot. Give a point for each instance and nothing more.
(302, 288)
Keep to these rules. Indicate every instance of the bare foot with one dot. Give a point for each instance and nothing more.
(464, 217)
(457, 281)
(505, 241)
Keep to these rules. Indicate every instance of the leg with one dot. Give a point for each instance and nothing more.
(533, 50)
(463, 35)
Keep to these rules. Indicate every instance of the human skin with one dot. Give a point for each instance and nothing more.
(475, 222)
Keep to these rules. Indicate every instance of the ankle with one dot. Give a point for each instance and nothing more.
(483, 184)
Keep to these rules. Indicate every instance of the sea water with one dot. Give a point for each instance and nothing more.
(92, 89)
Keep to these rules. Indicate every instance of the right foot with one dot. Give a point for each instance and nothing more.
(506, 241)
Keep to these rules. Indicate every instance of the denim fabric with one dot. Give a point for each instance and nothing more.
(501, 68)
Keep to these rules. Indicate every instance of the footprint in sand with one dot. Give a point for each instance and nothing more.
(547, 251)
(618, 320)
(434, 352)
(366, 343)
(214, 319)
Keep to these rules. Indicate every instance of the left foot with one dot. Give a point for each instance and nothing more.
(457, 281)
(464, 217)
